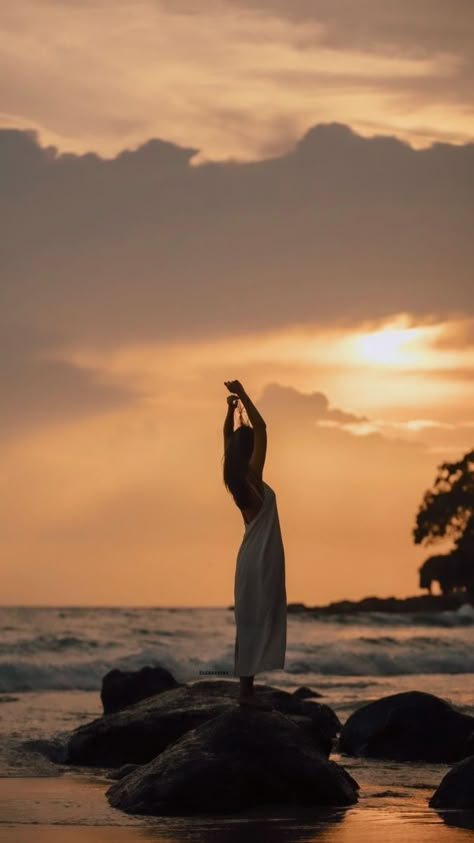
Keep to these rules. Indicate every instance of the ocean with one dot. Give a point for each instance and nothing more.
(52, 661)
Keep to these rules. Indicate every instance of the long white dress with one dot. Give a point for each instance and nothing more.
(260, 593)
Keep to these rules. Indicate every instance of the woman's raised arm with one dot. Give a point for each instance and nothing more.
(255, 418)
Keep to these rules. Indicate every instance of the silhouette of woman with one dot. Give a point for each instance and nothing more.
(259, 584)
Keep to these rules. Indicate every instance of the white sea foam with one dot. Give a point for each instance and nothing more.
(72, 649)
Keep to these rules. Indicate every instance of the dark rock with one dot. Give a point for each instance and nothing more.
(55, 749)
(219, 687)
(138, 733)
(141, 731)
(241, 759)
(122, 771)
(456, 789)
(121, 688)
(319, 721)
(458, 819)
(410, 726)
(304, 693)
(424, 603)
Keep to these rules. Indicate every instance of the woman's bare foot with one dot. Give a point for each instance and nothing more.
(254, 702)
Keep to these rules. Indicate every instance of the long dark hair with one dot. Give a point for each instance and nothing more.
(236, 461)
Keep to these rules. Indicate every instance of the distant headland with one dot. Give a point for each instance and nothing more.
(395, 605)
(421, 603)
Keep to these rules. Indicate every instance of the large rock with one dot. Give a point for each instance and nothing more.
(456, 789)
(304, 693)
(138, 733)
(410, 726)
(324, 722)
(121, 688)
(239, 760)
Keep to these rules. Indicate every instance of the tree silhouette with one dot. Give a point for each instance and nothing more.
(447, 511)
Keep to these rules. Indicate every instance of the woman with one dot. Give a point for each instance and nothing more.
(259, 586)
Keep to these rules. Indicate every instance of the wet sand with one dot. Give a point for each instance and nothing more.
(72, 808)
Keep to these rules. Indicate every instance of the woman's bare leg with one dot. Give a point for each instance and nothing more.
(246, 687)
(247, 694)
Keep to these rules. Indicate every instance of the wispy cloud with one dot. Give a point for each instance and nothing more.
(135, 70)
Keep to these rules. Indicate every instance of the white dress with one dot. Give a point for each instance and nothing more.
(260, 593)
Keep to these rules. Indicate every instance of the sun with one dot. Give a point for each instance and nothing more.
(389, 346)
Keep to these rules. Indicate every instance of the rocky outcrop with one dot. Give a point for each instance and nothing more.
(456, 789)
(140, 732)
(122, 688)
(240, 759)
(424, 603)
(410, 726)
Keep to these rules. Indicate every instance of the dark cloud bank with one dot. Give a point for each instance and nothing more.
(147, 246)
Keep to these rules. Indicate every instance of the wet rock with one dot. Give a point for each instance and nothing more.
(456, 789)
(240, 759)
(139, 732)
(122, 771)
(304, 693)
(409, 726)
(55, 749)
(121, 688)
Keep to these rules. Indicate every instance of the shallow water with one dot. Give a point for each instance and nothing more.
(73, 808)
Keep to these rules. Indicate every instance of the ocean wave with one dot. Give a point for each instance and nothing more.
(43, 644)
(362, 656)
(84, 675)
(44, 653)
(366, 656)
(464, 616)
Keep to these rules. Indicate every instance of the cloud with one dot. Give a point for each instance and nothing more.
(178, 69)
(315, 424)
(146, 246)
(405, 28)
(460, 373)
(458, 335)
(39, 391)
(288, 403)
(429, 32)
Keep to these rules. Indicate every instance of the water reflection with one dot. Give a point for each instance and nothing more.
(281, 825)
(338, 825)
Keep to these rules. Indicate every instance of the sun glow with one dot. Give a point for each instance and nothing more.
(396, 344)
(389, 346)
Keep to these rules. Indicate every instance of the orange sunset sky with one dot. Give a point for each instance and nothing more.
(192, 192)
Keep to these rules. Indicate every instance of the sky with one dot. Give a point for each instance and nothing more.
(199, 192)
